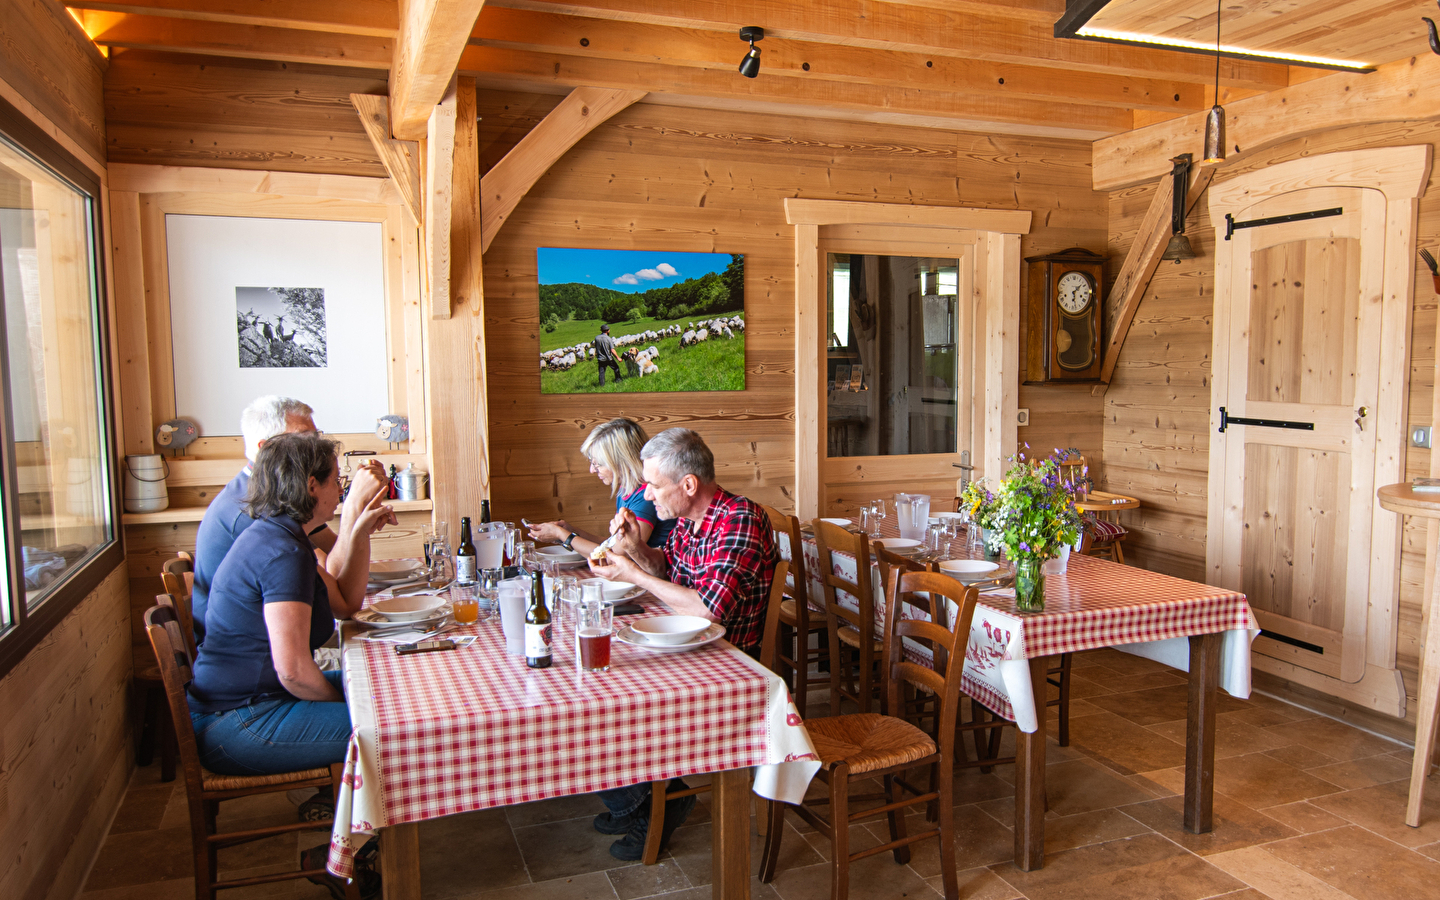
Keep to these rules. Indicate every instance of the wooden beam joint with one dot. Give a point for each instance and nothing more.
(401, 159)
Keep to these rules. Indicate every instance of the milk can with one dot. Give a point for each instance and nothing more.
(410, 483)
(145, 483)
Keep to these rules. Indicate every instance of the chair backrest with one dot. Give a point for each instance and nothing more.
(163, 625)
(797, 587)
(830, 539)
(947, 645)
(770, 638)
(888, 561)
(183, 611)
(1075, 468)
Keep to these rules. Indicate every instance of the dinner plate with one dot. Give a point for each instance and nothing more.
(559, 554)
(843, 523)
(897, 544)
(390, 569)
(400, 578)
(968, 571)
(371, 619)
(626, 635)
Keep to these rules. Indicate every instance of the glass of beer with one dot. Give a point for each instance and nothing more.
(593, 623)
(465, 601)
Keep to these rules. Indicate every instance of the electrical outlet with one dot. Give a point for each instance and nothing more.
(1022, 417)
(1420, 437)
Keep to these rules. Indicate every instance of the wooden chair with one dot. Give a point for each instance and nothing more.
(770, 655)
(154, 718)
(207, 789)
(869, 745)
(178, 575)
(1105, 541)
(853, 629)
(797, 620)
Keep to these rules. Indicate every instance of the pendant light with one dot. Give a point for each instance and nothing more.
(1215, 121)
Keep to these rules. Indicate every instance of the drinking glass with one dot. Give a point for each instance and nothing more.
(442, 568)
(877, 513)
(937, 541)
(488, 587)
(594, 621)
(465, 602)
(427, 534)
(512, 540)
(525, 556)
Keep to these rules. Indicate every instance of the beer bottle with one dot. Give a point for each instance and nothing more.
(537, 627)
(465, 554)
(484, 512)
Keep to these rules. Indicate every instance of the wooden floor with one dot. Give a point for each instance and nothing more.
(1305, 808)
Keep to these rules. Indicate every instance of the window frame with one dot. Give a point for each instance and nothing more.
(29, 627)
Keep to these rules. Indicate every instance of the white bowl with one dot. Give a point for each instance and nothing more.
(386, 570)
(614, 590)
(407, 609)
(670, 629)
(896, 543)
(841, 522)
(968, 571)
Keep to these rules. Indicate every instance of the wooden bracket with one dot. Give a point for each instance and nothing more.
(503, 187)
(401, 159)
(1142, 261)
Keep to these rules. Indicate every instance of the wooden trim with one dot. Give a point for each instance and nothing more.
(186, 179)
(1002, 351)
(431, 38)
(582, 111)
(809, 379)
(851, 212)
(439, 150)
(400, 158)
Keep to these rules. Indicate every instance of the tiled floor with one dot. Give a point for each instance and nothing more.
(1305, 809)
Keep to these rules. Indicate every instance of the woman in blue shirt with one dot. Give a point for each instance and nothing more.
(259, 703)
(613, 449)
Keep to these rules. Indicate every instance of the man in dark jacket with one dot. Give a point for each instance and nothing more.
(605, 354)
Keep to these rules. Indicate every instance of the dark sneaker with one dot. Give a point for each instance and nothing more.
(320, 807)
(632, 846)
(367, 879)
(609, 823)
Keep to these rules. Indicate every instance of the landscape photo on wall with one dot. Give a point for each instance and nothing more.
(617, 321)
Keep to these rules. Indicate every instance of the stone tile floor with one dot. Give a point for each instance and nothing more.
(1306, 808)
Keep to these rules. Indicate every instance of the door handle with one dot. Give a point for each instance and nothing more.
(1360, 417)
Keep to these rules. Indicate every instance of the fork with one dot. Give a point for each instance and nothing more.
(1430, 261)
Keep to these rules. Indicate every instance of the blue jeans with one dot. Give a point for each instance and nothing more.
(635, 799)
(269, 737)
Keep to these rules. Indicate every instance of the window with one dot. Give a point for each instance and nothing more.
(892, 355)
(59, 509)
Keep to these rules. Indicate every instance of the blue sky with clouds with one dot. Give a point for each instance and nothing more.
(631, 271)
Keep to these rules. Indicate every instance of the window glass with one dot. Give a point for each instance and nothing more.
(51, 352)
(893, 363)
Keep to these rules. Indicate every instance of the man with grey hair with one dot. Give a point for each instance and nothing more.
(718, 563)
(227, 515)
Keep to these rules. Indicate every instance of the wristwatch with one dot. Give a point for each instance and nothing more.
(566, 543)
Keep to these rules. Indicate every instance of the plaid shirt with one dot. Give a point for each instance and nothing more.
(730, 561)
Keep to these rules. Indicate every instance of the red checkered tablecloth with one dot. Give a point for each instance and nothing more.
(457, 731)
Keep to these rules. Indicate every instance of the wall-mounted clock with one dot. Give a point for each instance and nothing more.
(1065, 316)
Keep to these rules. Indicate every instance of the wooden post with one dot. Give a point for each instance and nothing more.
(1200, 733)
(400, 860)
(730, 835)
(810, 373)
(1002, 350)
(1030, 778)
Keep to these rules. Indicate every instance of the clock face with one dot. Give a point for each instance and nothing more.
(1074, 292)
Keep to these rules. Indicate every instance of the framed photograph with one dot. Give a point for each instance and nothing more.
(857, 377)
(622, 321)
(277, 306)
(842, 377)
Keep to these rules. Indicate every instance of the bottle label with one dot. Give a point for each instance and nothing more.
(465, 568)
(537, 641)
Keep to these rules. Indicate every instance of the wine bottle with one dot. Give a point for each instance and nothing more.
(465, 554)
(537, 627)
(484, 512)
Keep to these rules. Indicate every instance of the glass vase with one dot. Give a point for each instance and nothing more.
(1029, 584)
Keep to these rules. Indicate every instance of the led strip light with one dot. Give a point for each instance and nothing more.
(1226, 49)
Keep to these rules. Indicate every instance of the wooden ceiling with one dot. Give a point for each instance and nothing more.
(986, 65)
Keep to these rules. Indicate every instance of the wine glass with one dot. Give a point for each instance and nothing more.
(442, 568)
(877, 512)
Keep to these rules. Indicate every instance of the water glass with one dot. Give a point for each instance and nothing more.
(442, 567)
(488, 587)
(525, 556)
(465, 602)
(427, 534)
(937, 541)
(594, 622)
(512, 540)
(877, 516)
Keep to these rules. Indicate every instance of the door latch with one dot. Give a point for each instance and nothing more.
(1360, 417)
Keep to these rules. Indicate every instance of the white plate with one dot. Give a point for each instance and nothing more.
(399, 577)
(372, 619)
(559, 554)
(841, 522)
(391, 568)
(968, 571)
(896, 543)
(626, 635)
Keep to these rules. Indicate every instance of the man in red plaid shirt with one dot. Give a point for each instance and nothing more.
(717, 563)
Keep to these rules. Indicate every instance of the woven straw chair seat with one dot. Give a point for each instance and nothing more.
(867, 741)
(851, 636)
(212, 781)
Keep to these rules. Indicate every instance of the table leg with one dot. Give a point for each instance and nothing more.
(1425, 714)
(1200, 733)
(400, 861)
(729, 835)
(1030, 779)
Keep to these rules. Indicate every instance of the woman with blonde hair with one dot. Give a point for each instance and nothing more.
(613, 449)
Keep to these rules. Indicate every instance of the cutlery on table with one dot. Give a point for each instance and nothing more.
(1430, 261)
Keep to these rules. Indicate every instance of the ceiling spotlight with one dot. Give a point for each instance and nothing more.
(750, 65)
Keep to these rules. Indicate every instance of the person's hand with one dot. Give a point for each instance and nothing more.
(375, 516)
(367, 483)
(550, 531)
(628, 527)
(615, 567)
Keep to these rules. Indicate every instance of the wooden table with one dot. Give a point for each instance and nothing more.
(1401, 498)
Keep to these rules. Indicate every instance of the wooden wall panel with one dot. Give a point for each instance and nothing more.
(47, 60)
(173, 109)
(665, 178)
(65, 750)
(1156, 413)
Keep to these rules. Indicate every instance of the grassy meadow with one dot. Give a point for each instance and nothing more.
(716, 365)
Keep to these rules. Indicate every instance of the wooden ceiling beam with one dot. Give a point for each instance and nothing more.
(214, 38)
(547, 72)
(644, 42)
(992, 36)
(401, 159)
(375, 18)
(431, 38)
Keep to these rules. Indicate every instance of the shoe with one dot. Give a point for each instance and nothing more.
(609, 823)
(320, 807)
(367, 880)
(632, 846)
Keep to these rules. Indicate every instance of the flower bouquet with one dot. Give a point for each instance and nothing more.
(1033, 517)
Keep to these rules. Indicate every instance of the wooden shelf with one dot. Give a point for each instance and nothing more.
(180, 514)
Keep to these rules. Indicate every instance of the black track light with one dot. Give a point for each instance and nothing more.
(750, 65)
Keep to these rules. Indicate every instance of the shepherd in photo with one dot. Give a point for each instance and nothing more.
(605, 355)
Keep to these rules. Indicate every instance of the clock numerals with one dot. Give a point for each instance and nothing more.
(1073, 291)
